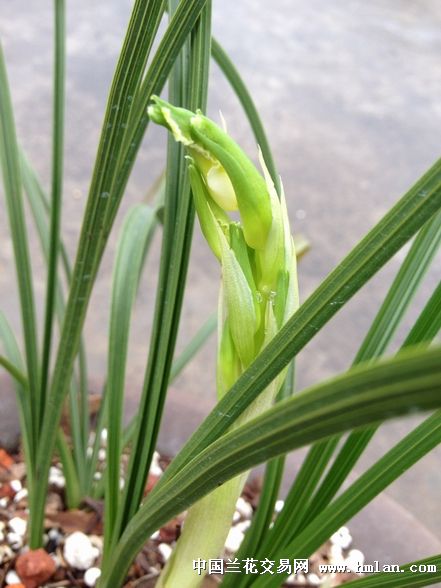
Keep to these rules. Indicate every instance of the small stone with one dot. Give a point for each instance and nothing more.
(155, 535)
(16, 485)
(354, 560)
(18, 525)
(279, 505)
(234, 539)
(314, 579)
(102, 454)
(245, 508)
(97, 542)
(15, 541)
(35, 567)
(155, 468)
(97, 476)
(342, 537)
(103, 437)
(6, 491)
(3, 502)
(336, 554)
(89, 451)
(6, 461)
(243, 526)
(165, 550)
(12, 578)
(21, 494)
(6, 553)
(91, 576)
(56, 477)
(79, 551)
(236, 516)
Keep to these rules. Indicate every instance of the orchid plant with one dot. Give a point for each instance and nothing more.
(262, 326)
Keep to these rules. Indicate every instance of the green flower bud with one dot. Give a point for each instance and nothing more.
(239, 305)
(228, 363)
(230, 176)
(210, 216)
(250, 188)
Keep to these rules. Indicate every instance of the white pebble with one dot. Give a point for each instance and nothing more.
(243, 526)
(56, 559)
(314, 579)
(336, 554)
(234, 539)
(354, 560)
(20, 495)
(2, 536)
(91, 576)
(155, 468)
(103, 437)
(97, 476)
(3, 502)
(5, 553)
(16, 485)
(122, 483)
(89, 451)
(245, 509)
(97, 542)
(236, 516)
(79, 551)
(279, 505)
(102, 454)
(18, 526)
(165, 550)
(342, 537)
(56, 477)
(12, 578)
(15, 541)
(2, 525)
(155, 535)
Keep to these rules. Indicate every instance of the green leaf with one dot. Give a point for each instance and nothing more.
(401, 457)
(146, 16)
(379, 245)
(135, 233)
(301, 503)
(9, 158)
(177, 235)
(366, 394)
(56, 192)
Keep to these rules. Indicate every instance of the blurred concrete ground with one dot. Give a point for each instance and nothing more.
(350, 95)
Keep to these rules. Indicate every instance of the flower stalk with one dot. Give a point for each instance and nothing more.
(258, 294)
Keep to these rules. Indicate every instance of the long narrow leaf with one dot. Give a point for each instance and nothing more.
(411, 212)
(135, 232)
(13, 190)
(177, 235)
(376, 341)
(56, 193)
(396, 461)
(364, 395)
